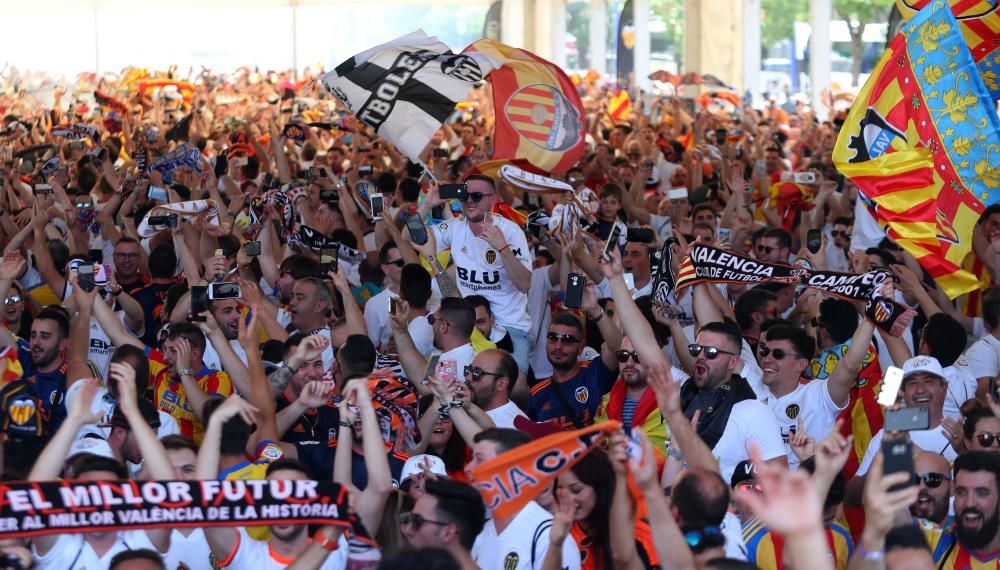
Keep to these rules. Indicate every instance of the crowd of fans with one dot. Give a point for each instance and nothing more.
(731, 396)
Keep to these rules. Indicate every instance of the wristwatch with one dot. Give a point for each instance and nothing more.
(186, 372)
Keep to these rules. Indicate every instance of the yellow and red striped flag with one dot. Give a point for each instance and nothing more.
(620, 107)
(539, 116)
(922, 143)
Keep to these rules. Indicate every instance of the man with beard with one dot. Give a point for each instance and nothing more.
(128, 260)
(934, 479)
(297, 419)
(292, 269)
(630, 400)
(451, 326)
(227, 315)
(974, 540)
(449, 515)
(573, 394)
(492, 376)
(44, 362)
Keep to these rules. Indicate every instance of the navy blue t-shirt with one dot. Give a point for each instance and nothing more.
(49, 389)
(583, 392)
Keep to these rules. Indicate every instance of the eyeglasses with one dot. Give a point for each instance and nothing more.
(778, 353)
(431, 319)
(711, 352)
(624, 355)
(123, 255)
(986, 439)
(563, 338)
(13, 299)
(476, 197)
(397, 263)
(931, 479)
(476, 373)
(417, 520)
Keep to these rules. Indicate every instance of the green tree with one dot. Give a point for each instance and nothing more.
(858, 14)
(779, 17)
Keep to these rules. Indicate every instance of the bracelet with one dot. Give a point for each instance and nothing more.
(444, 410)
(870, 555)
(503, 248)
(598, 318)
(325, 541)
(347, 425)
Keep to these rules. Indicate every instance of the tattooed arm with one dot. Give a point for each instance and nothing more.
(311, 348)
(444, 280)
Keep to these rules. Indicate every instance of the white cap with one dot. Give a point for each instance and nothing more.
(927, 364)
(91, 445)
(413, 466)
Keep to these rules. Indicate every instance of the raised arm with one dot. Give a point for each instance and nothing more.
(412, 361)
(846, 372)
(637, 328)
(373, 498)
(114, 328)
(78, 348)
(668, 539)
(259, 393)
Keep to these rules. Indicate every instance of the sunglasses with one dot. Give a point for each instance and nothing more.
(476, 197)
(476, 372)
(838, 233)
(624, 355)
(397, 263)
(986, 439)
(13, 299)
(417, 520)
(779, 354)
(711, 352)
(932, 480)
(431, 319)
(564, 338)
(765, 249)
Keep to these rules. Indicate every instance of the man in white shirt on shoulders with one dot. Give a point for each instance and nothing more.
(983, 357)
(492, 376)
(521, 541)
(944, 338)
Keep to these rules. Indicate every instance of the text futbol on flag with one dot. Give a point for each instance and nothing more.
(405, 89)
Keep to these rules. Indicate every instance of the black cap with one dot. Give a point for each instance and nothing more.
(745, 471)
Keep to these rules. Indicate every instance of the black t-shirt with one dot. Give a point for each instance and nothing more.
(319, 425)
(320, 457)
(151, 299)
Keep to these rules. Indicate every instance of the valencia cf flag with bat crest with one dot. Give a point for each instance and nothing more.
(539, 116)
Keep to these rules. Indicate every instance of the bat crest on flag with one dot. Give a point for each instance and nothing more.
(542, 115)
(22, 410)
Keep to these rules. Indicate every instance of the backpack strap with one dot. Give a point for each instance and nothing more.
(542, 528)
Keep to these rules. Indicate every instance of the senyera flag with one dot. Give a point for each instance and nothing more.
(512, 479)
(405, 89)
(979, 22)
(539, 116)
(922, 144)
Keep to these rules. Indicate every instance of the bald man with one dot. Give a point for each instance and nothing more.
(934, 475)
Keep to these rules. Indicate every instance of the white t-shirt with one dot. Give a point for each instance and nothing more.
(422, 334)
(377, 318)
(461, 357)
(812, 403)
(983, 357)
(512, 549)
(961, 387)
(479, 269)
(732, 529)
(749, 420)
(662, 225)
(211, 357)
(193, 551)
(72, 552)
(504, 416)
(931, 440)
(257, 554)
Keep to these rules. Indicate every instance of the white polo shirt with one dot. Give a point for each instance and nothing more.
(812, 403)
(527, 534)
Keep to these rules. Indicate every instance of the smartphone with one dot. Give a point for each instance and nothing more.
(721, 136)
(365, 170)
(575, 283)
(640, 235)
(418, 232)
(453, 191)
(432, 364)
(440, 153)
(199, 302)
(252, 248)
(677, 194)
(891, 383)
(377, 204)
(907, 419)
(616, 233)
(85, 277)
(40, 189)
(220, 291)
(814, 240)
(759, 168)
(221, 165)
(328, 261)
(157, 193)
(96, 255)
(312, 173)
(725, 234)
(393, 305)
(804, 177)
(898, 458)
(152, 135)
(629, 281)
(170, 220)
(448, 369)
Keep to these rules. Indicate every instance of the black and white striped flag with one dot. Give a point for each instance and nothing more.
(405, 89)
